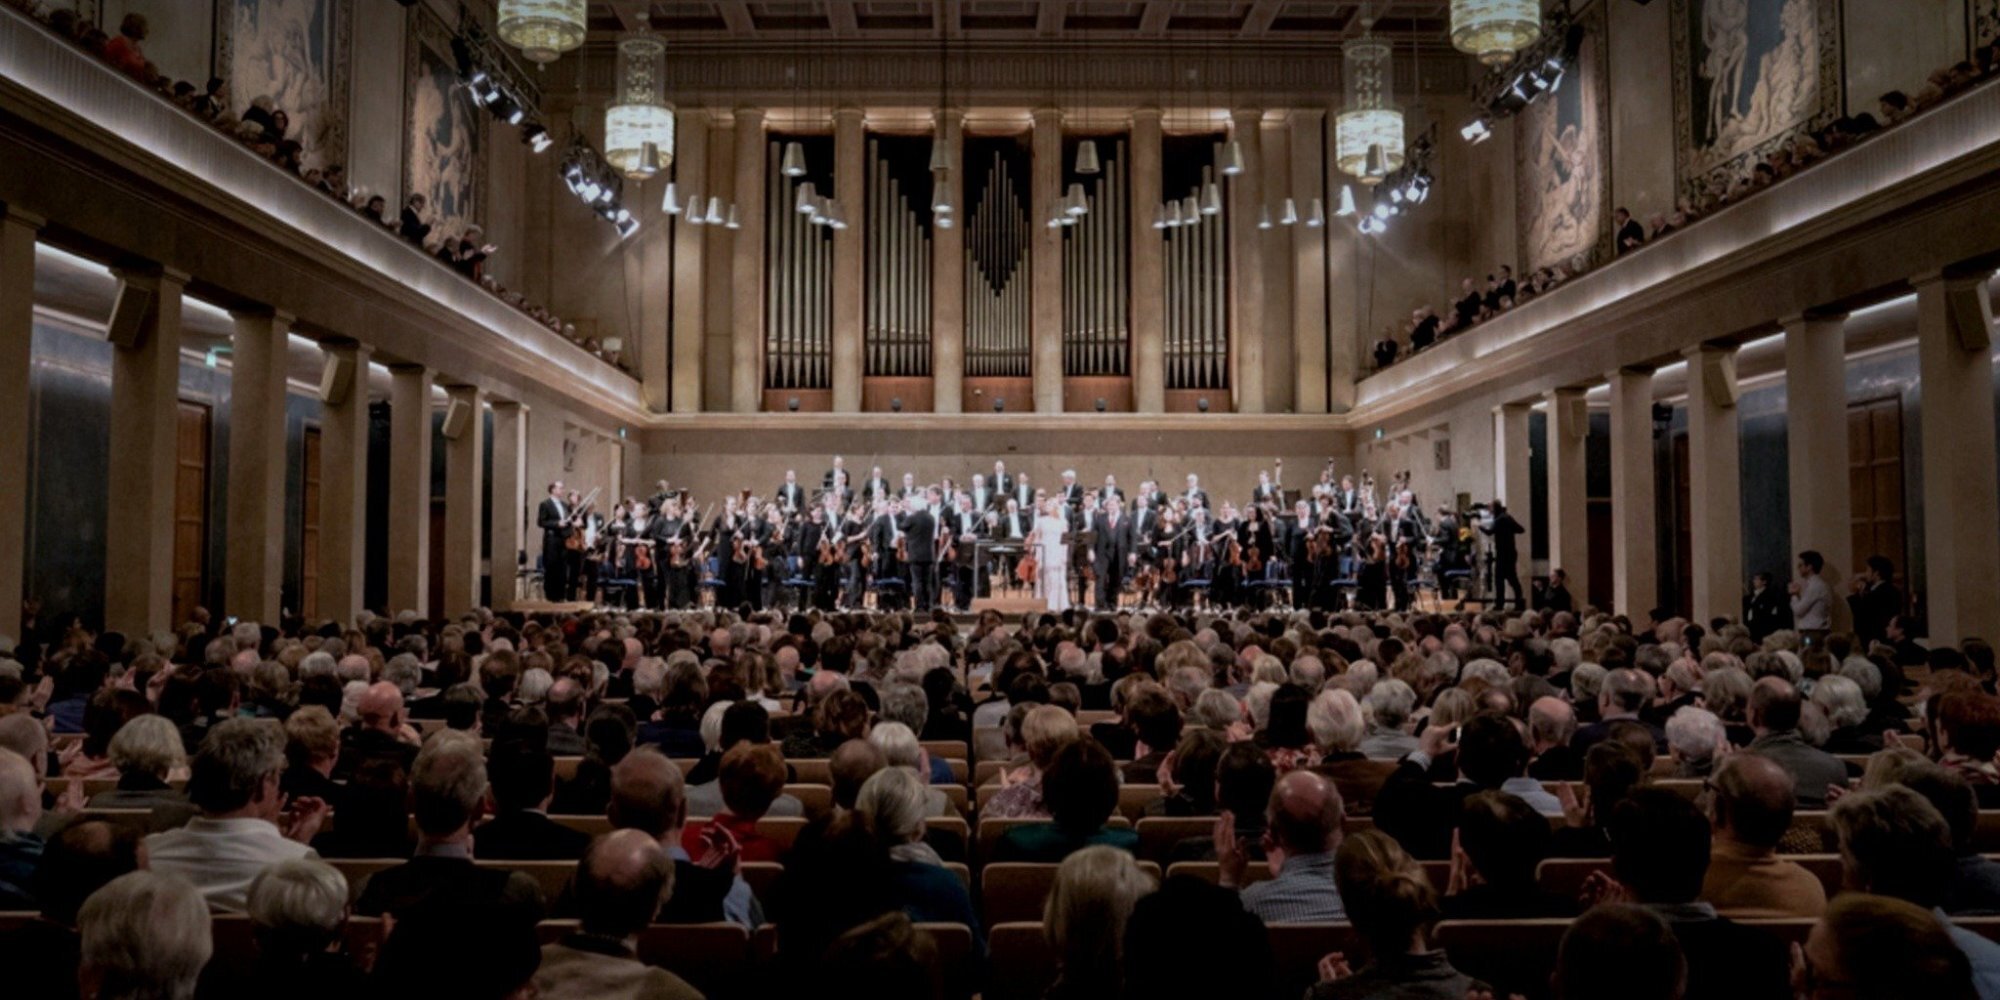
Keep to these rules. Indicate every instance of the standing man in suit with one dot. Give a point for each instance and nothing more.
(790, 496)
(1195, 494)
(1021, 492)
(968, 525)
(553, 518)
(1070, 494)
(921, 531)
(1111, 488)
(1270, 489)
(839, 470)
(876, 488)
(1002, 483)
(1113, 551)
(1764, 611)
(1503, 529)
(982, 496)
(1875, 600)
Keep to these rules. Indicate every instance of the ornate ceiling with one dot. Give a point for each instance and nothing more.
(1013, 21)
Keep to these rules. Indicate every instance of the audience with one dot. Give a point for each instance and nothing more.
(621, 883)
(1084, 917)
(1393, 907)
(245, 823)
(144, 934)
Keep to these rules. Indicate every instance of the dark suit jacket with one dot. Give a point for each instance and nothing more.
(565, 741)
(528, 836)
(921, 530)
(1872, 610)
(446, 881)
(360, 746)
(1766, 613)
(549, 517)
(1420, 814)
(1728, 960)
(1112, 545)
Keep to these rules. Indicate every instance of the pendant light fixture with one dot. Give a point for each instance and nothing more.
(1190, 211)
(1368, 135)
(1346, 201)
(1318, 216)
(542, 29)
(1174, 220)
(1086, 158)
(638, 126)
(733, 222)
(671, 202)
(1494, 30)
(697, 211)
(795, 159)
(1211, 198)
(803, 203)
(1263, 217)
(715, 216)
(1232, 158)
(1073, 204)
(1290, 215)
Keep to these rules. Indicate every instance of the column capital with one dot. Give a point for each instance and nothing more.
(278, 318)
(461, 389)
(1307, 116)
(848, 111)
(1952, 278)
(1153, 114)
(1253, 114)
(1517, 406)
(1643, 370)
(1707, 349)
(1566, 392)
(1045, 112)
(22, 217)
(407, 368)
(1812, 317)
(148, 275)
(361, 349)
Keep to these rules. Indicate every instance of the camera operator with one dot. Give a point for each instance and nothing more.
(1503, 529)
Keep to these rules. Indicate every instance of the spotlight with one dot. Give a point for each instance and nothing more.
(622, 216)
(999, 403)
(537, 138)
(627, 226)
(1477, 132)
(1384, 209)
(589, 189)
(804, 202)
(1396, 195)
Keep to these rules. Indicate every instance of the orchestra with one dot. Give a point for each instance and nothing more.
(1341, 543)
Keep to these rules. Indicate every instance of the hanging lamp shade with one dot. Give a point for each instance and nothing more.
(1232, 158)
(1494, 30)
(795, 159)
(1174, 220)
(1376, 165)
(715, 216)
(1211, 198)
(1086, 157)
(940, 156)
(1159, 216)
(638, 126)
(1190, 211)
(671, 202)
(804, 202)
(696, 210)
(1074, 203)
(1290, 215)
(941, 194)
(733, 222)
(1317, 218)
(1263, 217)
(542, 29)
(1371, 118)
(1346, 201)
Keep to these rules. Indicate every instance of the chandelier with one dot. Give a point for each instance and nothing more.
(638, 126)
(542, 29)
(1368, 135)
(1494, 30)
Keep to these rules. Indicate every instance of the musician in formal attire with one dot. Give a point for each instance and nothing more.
(841, 489)
(1114, 555)
(909, 487)
(674, 548)
(1110, 488)
(1002, 483)
(1347, 499)
(876, 488)
(884, 533)
(553, 518)
(790, 496)
(1195, 495)
(838, 471)
(983, 496)
(1503, 529)
(967, 526)
(1269, 489)
(857, 528)
(1070, 493)
(638, 553)
(921, 539)
(1021, 493)
(659, 497)
(585, 562)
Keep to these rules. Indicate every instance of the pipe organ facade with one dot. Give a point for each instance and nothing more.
(997, 303)
(1095, 338)
(898, 240)
(798, 287)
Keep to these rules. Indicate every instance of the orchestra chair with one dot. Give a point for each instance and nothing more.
(711, 579)
(1021, 961)
(1015, 890)
(796, 585)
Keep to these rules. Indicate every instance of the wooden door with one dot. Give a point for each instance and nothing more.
(191, 429)
(1875, 480)
(309, 525)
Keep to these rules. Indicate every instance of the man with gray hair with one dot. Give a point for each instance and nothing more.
(449, 794)
(648, 794)
(900, 748)
(1308, 672)
(1388, 707)
(564, 706)
(1551, 726)
(620, 884)
(381, 735)
(909, 705)
(145, 934)
(244, 826)
(20, 847)
(1627, 691)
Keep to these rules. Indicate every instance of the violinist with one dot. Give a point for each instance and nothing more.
(1374, 579)
(553, 517)
(967, 526)
(673, 550)
(637, 553)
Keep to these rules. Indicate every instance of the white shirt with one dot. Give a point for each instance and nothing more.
(221, 856)
(1810, 610)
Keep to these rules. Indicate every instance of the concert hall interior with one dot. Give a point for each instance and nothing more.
(448, 312)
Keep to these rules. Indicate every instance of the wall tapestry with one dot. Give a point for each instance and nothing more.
(1749, 76)
(442, 151)
(1563, 181)
(294, 52)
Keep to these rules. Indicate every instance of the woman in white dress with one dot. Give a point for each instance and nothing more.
(1051, 556)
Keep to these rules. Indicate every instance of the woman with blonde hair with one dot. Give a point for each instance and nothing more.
(1393, 907)
(1084, 918)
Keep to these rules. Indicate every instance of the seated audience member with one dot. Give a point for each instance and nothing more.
(1619, 951)
(312, 748)
(1190, 916)
(1156, 727)
(609, 736)
(497, 947)
(1659, 857)
(374, 815)
(648, 795)
(622, 881)
(751, 779)
(1388, 706)
(1551, 726)
(523, 780)
(886, 957)
(448, 792)
(20, 845)
(298, 910)
(1085, 917)
(1187, 777)
(147, 751)
(1393, 907)
(382, 732)
(106, 712)
(1847, 711)
(1081, 791)
(1501, 840)
(1975, 886)
(1894, 843)
(1881, 948)
(900, 748)
(1775, 707)
(564, 705)
(1695, 739)
(892, 807)
(1285, 737)
(41, 956)
(683, 697)
(244, 826)
(841, 716)
(1626, 692)
(1968, 737)
(1303, 829)
(145, 934)
(1046, 730)
(1491, 756)
(1750, 810)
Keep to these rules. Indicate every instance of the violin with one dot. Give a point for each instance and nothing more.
(1254, 562)
(643, 558)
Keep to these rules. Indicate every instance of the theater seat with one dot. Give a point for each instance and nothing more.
(1016, 890)
(1022, 962)
(1513, 955)
(713, 958)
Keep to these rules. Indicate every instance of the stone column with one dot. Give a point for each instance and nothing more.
(1149, 344)
(1308, 265)
(17, 343)
(1715, 483)
(343, 488)
(1246, 261)
(139, 534)
(1045, 261)
(1816, 443)
(746, 342)
(850, 175)
(1511, 484)
(464, 480)
(409, 489)
(1961, 522)
(510, 499)
(948, 272)
(254, 564)
(690, 178)
(1634, 507)
(1569, 521)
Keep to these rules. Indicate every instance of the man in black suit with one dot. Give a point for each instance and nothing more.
(983, 496)
(1195, 495)
(1875, 600)
(790, 496)
(838, 471)
(1021, 492)
(877, 486)
(1558, 597)
(1113, 553)
(1503, 529)
(1631, 235)
(1001, 482)
(449, 788)
(564, 705)
(1269, 490)
(521, 830)
(553, 518)
(381, 734)
(921, 529)
(1070, 493)
(968, 525)
(1765, 610)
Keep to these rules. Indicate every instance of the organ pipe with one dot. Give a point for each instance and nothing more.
(996, 278)
(1095, 252)
(798, 322)
(1196, 272)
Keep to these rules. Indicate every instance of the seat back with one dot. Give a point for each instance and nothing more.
(552, 877)
(817, 799)
(358, 870)
(713, 958)
(1015, 891)
(1515, 956)
(1159, 834)
(783, 829)
(1297, 948)
(1022, 962)
(1133, 800)
(1209, 871)
(596, 826)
